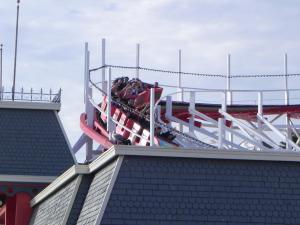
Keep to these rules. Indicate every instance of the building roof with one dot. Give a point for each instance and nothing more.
(32, 142)
(135, 185)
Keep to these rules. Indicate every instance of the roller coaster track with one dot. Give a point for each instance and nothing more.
(157, 123)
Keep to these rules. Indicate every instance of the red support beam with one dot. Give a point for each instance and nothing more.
(10, 210)
(17, 210)
(23, 209)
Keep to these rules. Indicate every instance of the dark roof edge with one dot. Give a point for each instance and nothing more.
(30, 105)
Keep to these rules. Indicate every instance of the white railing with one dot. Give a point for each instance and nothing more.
(254, 134)
(31, 96)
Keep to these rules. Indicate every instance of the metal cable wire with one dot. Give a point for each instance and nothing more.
(197, 74)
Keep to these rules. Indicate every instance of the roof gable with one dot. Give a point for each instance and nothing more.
(32, 143)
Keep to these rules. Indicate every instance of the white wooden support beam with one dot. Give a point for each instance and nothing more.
(279, 134)
(228, 83)
(260, 111)
(192, 106)
(88, 106)
(220, 133)
(108, 115)
(179, 83)
(248, 129)
(152, 119)
(286, 79)
(169, 106)
(287, 100)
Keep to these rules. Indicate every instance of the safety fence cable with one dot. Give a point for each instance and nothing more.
(197, 74)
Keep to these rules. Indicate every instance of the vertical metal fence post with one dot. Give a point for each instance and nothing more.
(104, 83)
(152, 120)
(109, 121)
(88, 111)
(228, 81)
(260, 110)
(228, 87)
(180, 94)
(286, 79)
(287, 100)
(137, 75)
(179, 82)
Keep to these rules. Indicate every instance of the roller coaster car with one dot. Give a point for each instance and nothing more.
(135, 93)
(143, 98)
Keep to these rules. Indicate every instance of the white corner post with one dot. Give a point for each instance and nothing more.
(108, 113)
(137, 64)
(103, 80)
(152, 120)
(221, 123)
(287, 100)
(180, 90)
(88, 105)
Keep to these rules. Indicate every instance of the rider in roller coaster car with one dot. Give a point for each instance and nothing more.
(118, 85)
(164, 134)
(126, 91)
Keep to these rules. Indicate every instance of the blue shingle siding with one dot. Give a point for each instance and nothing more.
(52, 211)
(32, 143)
(96, 194)
(180, 191)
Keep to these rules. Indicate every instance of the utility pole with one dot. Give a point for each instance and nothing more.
(16, 50)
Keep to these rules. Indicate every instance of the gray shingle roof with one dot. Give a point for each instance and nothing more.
(153, 190)
(53, 210)
(95, 195)
(141, 190)
(32, 143)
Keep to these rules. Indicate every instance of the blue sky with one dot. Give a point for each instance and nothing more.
(53, 32)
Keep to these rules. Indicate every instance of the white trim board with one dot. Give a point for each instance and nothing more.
(26, 178)
(30, 105)
(206, 153)
(61, 180)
